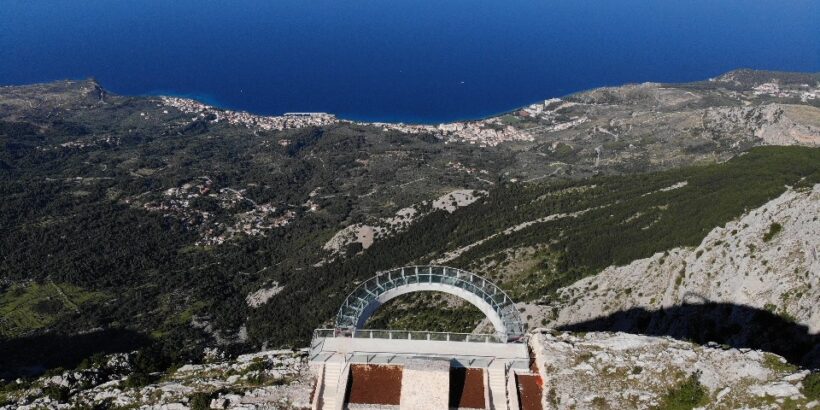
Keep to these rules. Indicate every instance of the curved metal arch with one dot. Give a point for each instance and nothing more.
(482, 293)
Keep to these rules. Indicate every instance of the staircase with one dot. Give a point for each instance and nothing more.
(334, 386)
(498, 386)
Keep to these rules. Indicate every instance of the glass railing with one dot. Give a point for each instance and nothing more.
(319, 333)
(405, 335)
(484, 289)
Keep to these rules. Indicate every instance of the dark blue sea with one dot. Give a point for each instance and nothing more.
(397, 60)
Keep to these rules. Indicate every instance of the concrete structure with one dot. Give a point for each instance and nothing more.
(426, 358)
(483, 294)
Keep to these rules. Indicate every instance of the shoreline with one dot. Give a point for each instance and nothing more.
(211, 102)
(363, 119)
(360, 119)
(520, 124)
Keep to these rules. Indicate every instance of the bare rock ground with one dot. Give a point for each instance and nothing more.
(624, 371)
(278, 379)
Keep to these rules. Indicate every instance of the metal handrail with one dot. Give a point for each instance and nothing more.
(405, 335)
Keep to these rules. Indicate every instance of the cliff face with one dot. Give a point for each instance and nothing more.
(755, 282)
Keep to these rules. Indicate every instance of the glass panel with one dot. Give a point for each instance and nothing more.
(361, 334)
(399, 334)
(323, 333)
(438, 336)
(380, 334)
(389, 285)
(362, 294)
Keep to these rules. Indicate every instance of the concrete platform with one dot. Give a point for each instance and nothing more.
(424, 363)
(464, 354)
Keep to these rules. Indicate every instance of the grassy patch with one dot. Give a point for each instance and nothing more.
(777, 364)
(774, 229)
(686, 395)
(200, 401)
(33, 306)
(186, 315)
(811, 386)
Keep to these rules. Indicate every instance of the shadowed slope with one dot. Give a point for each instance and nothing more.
(737, 326)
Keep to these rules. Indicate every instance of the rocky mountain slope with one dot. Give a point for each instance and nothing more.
(765, 261)
(131, 222)
(620, 371)
(266, 380)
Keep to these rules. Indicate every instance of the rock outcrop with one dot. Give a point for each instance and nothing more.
(624, 371)
(278, 379)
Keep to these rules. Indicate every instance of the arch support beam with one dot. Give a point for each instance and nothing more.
(478, 291)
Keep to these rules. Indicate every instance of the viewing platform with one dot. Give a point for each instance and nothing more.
(480, 292)
(399, 369)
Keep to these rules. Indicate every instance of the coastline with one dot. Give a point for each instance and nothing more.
(519, 124)
(214, 102)
(522, 124)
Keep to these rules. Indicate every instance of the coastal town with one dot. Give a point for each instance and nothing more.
(487, 132)
(263, 122)
(522, 125)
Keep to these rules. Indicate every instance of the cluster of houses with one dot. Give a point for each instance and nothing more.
(259, 218)
(487, 132)
(805, 93)
(267, 123)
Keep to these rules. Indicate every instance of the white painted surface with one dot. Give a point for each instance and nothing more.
(499, 351)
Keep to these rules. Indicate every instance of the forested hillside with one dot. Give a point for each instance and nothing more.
(130, 222)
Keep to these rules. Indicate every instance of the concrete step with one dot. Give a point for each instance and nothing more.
(331, 384)
(498, 387)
